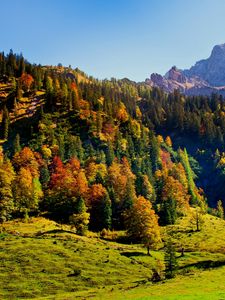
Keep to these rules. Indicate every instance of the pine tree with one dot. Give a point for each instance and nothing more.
(190, 175)
(220, 209)
(16, 144)
(170, 260)
(168, 213)
(72, 147)
(154, 153)
(109, 154)
(129, 195)
(61, 147)
(106, 212)
(80, 219)
(44, 176)
(5, 123)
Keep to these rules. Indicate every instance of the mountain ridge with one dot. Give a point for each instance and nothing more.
(207, 76)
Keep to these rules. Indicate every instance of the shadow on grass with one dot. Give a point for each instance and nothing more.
(134, 253)
(55, 231)
(206, 264)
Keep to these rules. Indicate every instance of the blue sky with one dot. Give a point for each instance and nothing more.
(113, 38)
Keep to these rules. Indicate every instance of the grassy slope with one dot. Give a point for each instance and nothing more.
(41, 259)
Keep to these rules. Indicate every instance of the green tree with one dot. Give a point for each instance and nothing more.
(197, 218)
(190, 175)
(168, 211)
(106, 212)
(44, 176)
(16, 144)
(109, 154)
(61, 147)
(5, 122)
(80, 219)
(220, 209)
(170, 260)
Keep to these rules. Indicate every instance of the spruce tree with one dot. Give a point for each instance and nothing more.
(109, 154)
(170, 260)
(106, 212)
(80, 219)
(16, 144)
(5, 123)
(220, 209)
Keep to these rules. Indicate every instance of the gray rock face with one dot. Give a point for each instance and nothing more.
(205, 77)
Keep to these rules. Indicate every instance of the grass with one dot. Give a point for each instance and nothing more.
(44, 260)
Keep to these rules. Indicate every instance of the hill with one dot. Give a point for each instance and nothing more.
(97, 158)
(41, 259)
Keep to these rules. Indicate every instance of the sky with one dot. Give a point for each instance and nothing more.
(113, 38)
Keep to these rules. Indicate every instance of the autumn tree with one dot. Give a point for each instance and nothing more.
(197, 218)
(168, 141)
(26, 81)
(6, 196)
(121, 113)
(27, 191)
(26, 159)
(142, 223)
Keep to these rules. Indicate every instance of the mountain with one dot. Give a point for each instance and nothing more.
(205, 77)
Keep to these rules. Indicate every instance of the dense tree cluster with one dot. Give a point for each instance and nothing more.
(90, 156)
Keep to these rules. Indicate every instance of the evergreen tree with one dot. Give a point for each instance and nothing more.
(154, 153)
(106, 212)
(190, 176)
(16, 144)
(220, 209)
(109, 154)
(44, 176)
(80, 218)
(72, 147)
(61, 147)
(170, 260)
(5, 123)
(168, 213)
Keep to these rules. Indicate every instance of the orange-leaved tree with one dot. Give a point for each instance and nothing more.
(142, 223)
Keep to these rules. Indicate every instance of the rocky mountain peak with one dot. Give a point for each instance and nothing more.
(205, 77)
(218, 51)
(176, 75)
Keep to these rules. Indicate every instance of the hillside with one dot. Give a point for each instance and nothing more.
(45, 260)
(98, 191)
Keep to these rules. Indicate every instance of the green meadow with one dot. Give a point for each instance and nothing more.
(40, 259)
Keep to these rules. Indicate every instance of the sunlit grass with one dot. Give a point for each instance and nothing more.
(45, 260)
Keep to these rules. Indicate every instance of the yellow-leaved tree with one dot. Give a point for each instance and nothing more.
(142, 223)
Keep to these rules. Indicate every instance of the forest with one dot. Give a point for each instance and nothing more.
(103, 154)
